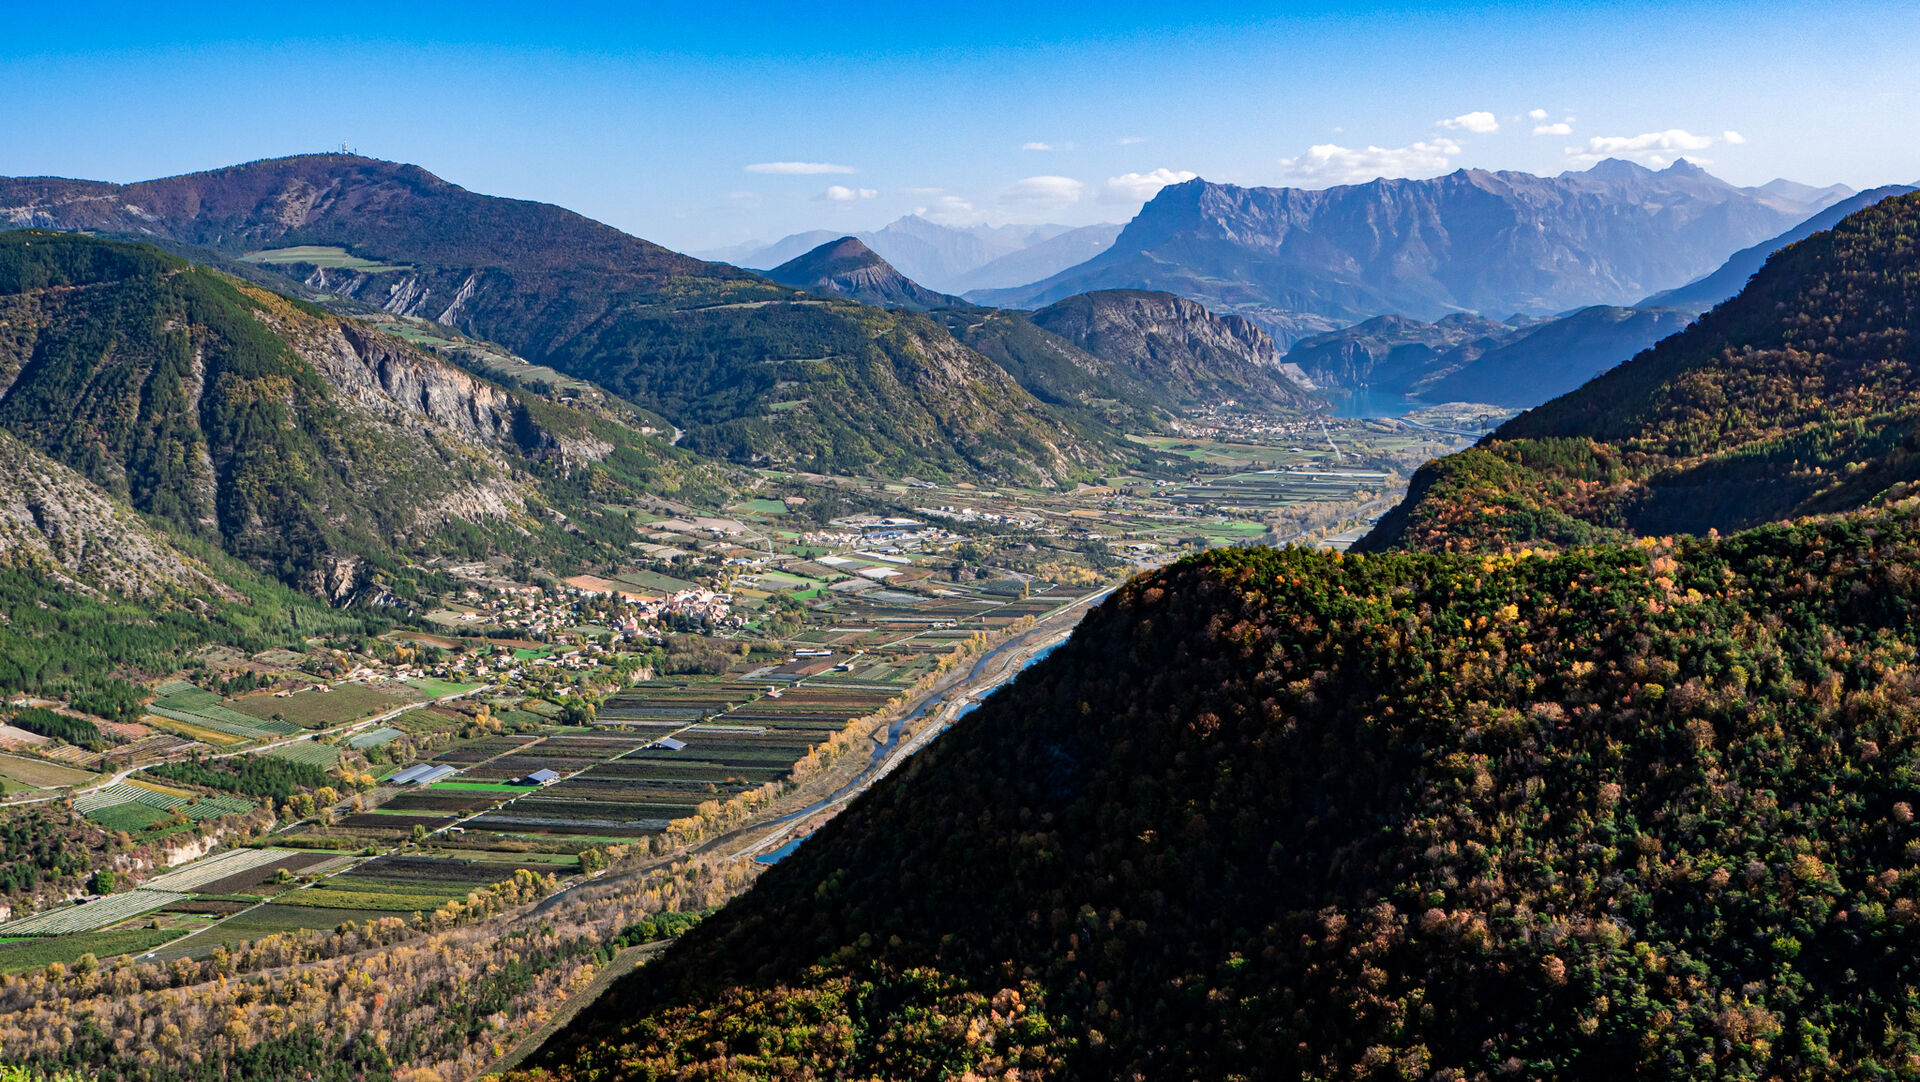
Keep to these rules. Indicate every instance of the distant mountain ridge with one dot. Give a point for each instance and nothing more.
(1462, 358)
(1301, 261)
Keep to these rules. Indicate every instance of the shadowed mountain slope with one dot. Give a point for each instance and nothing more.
(1285, 814)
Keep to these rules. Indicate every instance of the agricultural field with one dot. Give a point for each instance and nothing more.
(91, 916)
(32, 952)
(195, 876)
(374, 738)
(134, 807)
(202, 715)
(440, 689)
(651, 582)
(324, 709)
(1264, 490)
(217, 900)
(38, 774)
(308, 751)
(320, 255)
(330, 890)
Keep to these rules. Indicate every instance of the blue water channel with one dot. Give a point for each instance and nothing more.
(881, 751)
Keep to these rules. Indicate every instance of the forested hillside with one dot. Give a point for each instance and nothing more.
(1642, 807)
(1631, 811)
(288, 437)
(1799, 396)
(186, 459)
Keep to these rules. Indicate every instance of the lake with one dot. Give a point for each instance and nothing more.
(1363, 404)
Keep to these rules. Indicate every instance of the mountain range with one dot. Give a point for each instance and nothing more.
(751, 370)
(1523, 362)
(1303, 261)
(1705, 292)
(1528, 788)
(1463, 358)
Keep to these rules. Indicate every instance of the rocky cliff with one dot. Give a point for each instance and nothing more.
(1193, 356)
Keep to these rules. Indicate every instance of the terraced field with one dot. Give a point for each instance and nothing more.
(128, 807)
(122, 793)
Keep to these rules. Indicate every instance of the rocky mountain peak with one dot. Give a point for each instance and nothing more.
(848, 268)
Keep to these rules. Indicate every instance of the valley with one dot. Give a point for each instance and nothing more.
(959, 546)
(657, 710)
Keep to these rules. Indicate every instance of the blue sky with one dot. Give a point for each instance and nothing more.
(764, 119)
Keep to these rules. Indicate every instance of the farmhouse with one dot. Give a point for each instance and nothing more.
(421, 774)
(543, 776)
(667, 743)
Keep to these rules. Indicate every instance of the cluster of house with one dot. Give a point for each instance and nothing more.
(968, 514)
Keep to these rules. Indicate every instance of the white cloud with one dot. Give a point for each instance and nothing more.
(1479, 123)
(798, 169)
(1036, 146)
(1537, 115)
(1562, 128)
(837, 193)
(1328, 164)
(1653, 148)
(1129, 140)
(1046, 193)
(1140, 187)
